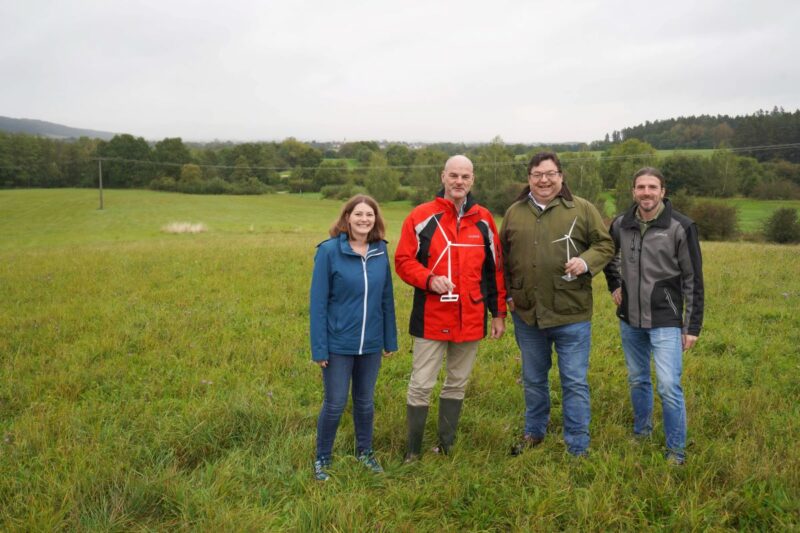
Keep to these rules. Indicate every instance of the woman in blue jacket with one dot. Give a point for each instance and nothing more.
(352, 324)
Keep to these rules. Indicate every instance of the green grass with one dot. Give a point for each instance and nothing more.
(753, 214)
(160, 382)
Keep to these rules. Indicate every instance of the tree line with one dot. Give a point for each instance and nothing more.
(388, 172)
(772, 128)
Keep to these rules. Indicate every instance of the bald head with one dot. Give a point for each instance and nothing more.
(457, 179)
(460, 160)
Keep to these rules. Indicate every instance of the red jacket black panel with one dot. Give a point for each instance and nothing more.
(476, 269)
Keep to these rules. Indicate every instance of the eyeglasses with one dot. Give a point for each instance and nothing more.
(549, 175)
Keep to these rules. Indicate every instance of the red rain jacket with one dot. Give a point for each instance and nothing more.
(476, 269)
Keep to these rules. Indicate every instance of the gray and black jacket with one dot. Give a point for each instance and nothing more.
(660, 271)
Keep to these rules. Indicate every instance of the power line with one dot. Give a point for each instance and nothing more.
(589, 157)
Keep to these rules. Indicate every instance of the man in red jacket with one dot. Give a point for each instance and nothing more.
(449, 251)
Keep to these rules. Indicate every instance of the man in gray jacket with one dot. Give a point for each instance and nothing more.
(656, 280)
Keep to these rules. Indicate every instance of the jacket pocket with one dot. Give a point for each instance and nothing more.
(518, 295)
(571, 297)
(476, 296)
(666, 305)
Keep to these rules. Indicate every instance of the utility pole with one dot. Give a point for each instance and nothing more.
(100, 176)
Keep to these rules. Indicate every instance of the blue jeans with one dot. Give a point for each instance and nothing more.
(666, 347)
(336, 377)
(572, 343)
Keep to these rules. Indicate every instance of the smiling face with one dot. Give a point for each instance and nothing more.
(457, 179)
(545, 181)
(648, 193)
(360, 221)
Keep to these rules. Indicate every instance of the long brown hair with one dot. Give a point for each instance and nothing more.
(341, 226)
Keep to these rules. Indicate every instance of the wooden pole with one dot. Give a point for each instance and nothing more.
(100, 175)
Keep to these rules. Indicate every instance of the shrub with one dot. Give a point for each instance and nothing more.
(251, 185)
(783, 227)
(404, 193)
(341, 192)
(165, 183)
(214, 186)
(715, 221)
(382, 183)
(682, 201)
(776, 190)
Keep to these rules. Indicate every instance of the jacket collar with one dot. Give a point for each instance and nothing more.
(373, 248)
(468, 203)
(662, 221)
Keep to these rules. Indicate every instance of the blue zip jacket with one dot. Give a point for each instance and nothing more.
(352, 302)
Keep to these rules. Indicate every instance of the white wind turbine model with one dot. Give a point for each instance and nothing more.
(568, 237)
(449, 297)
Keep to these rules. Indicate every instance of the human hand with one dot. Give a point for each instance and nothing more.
(441, 285)
(575, 266)
(388, 354)
(617, 296)
(510, 305)
(322, 364)
(688, 341)
(498, 327)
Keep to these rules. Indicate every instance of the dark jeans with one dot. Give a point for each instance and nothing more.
(341, 369)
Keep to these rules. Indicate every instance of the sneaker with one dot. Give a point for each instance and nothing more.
(527, 441)
(319, 469)
(367, 458)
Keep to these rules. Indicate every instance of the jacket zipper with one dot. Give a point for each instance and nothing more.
(364, 315)
(366, 294)
(669, 301)
(639, 288)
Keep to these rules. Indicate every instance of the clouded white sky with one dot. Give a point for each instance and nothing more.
(528, 71)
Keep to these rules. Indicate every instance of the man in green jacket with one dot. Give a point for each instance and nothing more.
(553, 243)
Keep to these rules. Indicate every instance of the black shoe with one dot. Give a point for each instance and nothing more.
(526, 442)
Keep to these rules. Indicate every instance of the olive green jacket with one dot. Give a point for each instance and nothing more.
(534, 264)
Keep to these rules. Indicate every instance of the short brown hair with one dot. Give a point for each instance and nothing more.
(341, 226)
(649, 171)
(537, 160)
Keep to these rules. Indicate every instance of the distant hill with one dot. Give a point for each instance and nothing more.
(49, 129)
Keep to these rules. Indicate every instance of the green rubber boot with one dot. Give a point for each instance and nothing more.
(416, 416)
(449, 413)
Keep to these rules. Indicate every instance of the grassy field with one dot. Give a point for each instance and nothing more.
(151, 381)
(753, 214)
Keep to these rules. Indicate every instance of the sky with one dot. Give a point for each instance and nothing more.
(347, 70)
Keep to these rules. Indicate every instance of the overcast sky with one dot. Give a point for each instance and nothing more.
(528, 71)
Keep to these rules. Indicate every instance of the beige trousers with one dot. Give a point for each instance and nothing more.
(427, 360)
